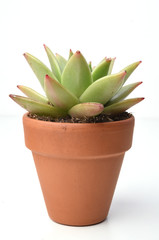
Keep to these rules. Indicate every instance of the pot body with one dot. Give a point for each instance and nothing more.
(78, 166)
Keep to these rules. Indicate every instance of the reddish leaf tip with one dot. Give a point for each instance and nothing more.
(139, 62)
(18, 86)
(78, 52)
(11, 96)
(140, 99)
(70, 50)
(108, 59)
(44, 46)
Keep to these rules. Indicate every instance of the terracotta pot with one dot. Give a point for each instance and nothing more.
(78, 166)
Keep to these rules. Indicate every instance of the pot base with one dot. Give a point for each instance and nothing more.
(77, 224)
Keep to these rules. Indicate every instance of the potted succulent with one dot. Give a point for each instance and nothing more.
(78, 133)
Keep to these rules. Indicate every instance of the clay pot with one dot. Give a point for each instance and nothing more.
(78, 166)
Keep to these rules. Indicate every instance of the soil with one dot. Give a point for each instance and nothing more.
(97, 119)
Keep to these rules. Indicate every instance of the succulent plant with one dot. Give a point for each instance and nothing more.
(74, 88)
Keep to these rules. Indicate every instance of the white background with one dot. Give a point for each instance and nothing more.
(127, 30)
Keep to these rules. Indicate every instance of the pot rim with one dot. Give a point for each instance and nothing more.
(41, 122)
(84, 134)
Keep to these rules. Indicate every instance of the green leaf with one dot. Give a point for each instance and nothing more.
(62, 61)
(58, 95)
(123, 92)
(32, 94)
(111, 66)
(53, 63)
(90, 66)
(86, 110)
(36, 107)
(129, 69)
(70, 54)
(101, 70)
(76, 76)
(122, 106)
(103, 89)
(38, 68)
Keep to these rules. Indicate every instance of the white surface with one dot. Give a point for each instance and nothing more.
(134, 213)
(124, 29)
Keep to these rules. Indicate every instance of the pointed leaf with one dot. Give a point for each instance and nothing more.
(122, 106)
(62, 61)
(123, 92)
(70, 54)
(36, 107)
(38, 68)
(129, 69)
(90, 66)
(86, 110)
(53, 63)
(58, 95)
(32, 94)
(111, 66)
(103, 89)
(76, 76)
(101, 70)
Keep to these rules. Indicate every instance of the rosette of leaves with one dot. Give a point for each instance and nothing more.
(73, 88)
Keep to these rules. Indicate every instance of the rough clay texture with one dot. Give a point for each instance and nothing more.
(97, 119)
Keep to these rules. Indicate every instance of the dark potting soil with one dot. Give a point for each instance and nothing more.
(97, 119)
